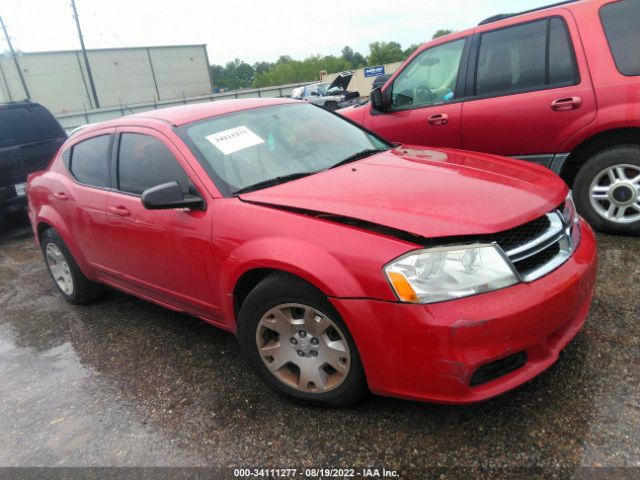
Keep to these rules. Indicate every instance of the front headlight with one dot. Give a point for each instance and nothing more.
(571, 220)
(440, 274)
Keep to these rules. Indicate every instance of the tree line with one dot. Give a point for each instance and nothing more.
(239, 74)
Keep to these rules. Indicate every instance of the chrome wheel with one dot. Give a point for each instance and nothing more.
(59, 268)
(615, 193)
(303, 348)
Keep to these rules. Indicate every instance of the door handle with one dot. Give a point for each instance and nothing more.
(61, 196)
(438, 119)
(120, 210)
(565, 104)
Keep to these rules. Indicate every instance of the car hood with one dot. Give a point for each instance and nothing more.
(430, 193)
(341, 81)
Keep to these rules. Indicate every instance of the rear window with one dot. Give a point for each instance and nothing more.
(621, 22)
(19, 126)
(90, 161)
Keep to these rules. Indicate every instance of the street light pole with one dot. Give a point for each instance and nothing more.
(15, 59)
(84, 54)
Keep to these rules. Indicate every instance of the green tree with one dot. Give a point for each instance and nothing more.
(385, 52)
(410, 49)
(441, 33)
(355, 59)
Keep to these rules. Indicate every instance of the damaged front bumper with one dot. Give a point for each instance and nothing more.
(472, 349)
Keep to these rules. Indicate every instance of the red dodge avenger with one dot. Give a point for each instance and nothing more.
(341, 262)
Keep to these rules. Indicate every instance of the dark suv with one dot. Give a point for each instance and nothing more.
(29, 137)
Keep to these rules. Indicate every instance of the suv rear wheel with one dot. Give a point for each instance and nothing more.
(297, 343)
(607, 190)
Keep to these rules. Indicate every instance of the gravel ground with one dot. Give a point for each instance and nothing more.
(125, 383)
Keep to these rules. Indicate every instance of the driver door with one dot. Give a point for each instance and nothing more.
(426, 100)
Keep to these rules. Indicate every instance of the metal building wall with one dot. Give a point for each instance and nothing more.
(123, 76)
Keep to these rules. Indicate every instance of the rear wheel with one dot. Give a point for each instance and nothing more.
(64, 271)
(607, 190)
(298, 345)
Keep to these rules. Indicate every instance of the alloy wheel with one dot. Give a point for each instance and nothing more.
(303, 348)
(615, 193)
(59, 268)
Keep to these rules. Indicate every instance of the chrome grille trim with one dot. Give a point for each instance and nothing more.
(558, 233)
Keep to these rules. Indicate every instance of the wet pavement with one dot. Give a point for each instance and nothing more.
(123, 382)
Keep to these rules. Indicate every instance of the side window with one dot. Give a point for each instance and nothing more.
(145, 162)
(525, 57)
(90, 161)
(430, 78)
(562, 64)
(621, 22)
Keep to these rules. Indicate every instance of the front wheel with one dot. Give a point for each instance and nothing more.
(298, 345)
(607, 190)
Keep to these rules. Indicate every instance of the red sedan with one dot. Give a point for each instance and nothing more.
(341, 262)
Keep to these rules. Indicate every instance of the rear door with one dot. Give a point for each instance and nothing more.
(528, 89)
(426, 99)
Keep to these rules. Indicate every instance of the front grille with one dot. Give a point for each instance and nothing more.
(538, 260)
(498, 368)
(538, 247)
(518, 236)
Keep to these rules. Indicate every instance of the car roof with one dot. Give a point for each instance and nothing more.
(184, 114)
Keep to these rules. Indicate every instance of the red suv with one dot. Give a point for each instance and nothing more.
(558, 86)
(339, 261)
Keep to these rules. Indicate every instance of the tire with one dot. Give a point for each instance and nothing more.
(598, 202)
(291, 296)
(64, 271)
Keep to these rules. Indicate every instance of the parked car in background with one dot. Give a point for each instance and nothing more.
(340, 261)
(29, 137)
(558, 86)
(330, 95)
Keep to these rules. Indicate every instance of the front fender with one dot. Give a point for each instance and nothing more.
(297, 257)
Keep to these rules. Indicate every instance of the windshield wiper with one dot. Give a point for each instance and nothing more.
(367, 152)
(272, 182)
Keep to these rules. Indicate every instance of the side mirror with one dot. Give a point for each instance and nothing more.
(315, 94)
(379, 100)
(168, 196)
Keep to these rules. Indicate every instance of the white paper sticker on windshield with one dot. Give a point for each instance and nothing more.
(234, 139)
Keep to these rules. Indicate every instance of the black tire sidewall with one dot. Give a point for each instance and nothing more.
(623, 154)
(278, 289)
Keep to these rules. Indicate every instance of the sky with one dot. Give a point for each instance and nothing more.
(250, 30)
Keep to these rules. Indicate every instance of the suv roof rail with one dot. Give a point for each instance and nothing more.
(502, 16)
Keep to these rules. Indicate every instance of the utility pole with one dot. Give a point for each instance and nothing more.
(15, 59)
(84, 54)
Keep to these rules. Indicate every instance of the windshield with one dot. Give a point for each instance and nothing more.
(246, 148)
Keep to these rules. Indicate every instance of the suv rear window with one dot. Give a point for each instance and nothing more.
(621, 22)
(525, 57)
(90, 161)
(29, 124)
